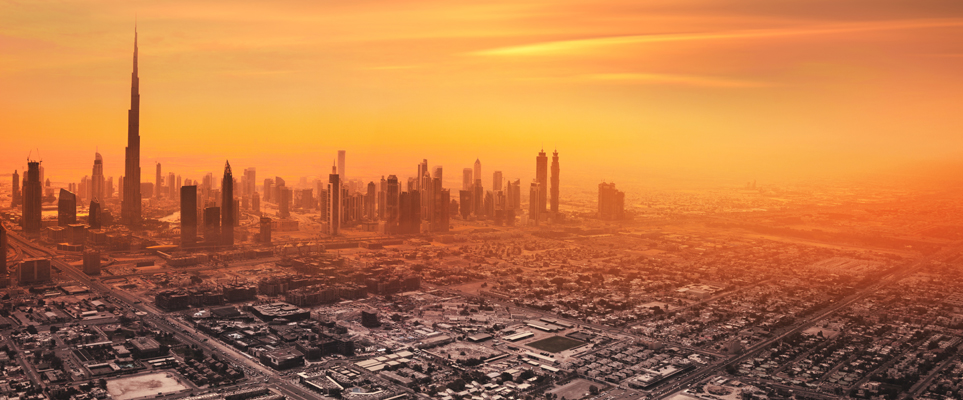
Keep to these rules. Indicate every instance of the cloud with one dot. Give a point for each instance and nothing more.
(580, 45)
(673, 79)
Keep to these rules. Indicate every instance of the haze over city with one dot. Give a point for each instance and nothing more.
(373, 200)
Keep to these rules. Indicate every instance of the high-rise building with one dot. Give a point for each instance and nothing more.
(92, 262)
(284, 201)
(66, 208)
(265, 236)
(404, 213)
(424, 186)
(188, 216)
(478, 199)
(497, 181)
(130, 206)
(517, 196)
(370, 199)
(554, 189)
(212, 226)
(382, 197)
(477, 171)
(97, 189)
(611, 202)
(422, 170)
(34, 270)
(279, 186)
(541, 175)
(392, 191)
(256, 203)
(109, 188)
(436, 172)
(227, 206)
(464, 202)
(171, 188)
(3, 253)
(15, 190)
(250, 181)
(268, 189)
(441, 199)
(466, 179)
(510, 195)
(342, 173)
(32, 198)
(94, 217)
(334, 203)
(534, 211)
(83, 190)
(158, 183)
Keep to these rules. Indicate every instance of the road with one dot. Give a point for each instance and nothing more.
(168, 323)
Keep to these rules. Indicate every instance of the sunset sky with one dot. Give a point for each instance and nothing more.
(627, 90)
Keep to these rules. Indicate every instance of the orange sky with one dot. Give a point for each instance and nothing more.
(627, 90)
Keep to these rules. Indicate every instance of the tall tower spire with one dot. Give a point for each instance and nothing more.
(131, 204)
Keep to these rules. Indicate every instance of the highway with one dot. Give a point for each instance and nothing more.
(168, 323)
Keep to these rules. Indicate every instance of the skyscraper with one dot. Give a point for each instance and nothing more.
(611, 202)
(158, 182)
(370, 199)
(188, 216)
(343, 177)
(334, 203)
(441, 199)
(464, 203)
(284, 201)
(422, 170)
(3, 252)
(66, 208)
(32, 198)
(541, 176)
(251, 181)
(268, 183)
(477, 171)
(534, 194)
(265, 236)
(171, 188)
(497, 181)
(554, 189)
(97, 188)
(212, 226)
(392, 192)
(466, 179)
(15, 190)
(94, 218)
(382, 198)
(425, 187)
(227, 206)
(130, 206)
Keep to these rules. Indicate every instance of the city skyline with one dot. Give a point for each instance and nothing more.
(834, 122)
(658, 200)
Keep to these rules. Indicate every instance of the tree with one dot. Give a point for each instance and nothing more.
(593, 390)
(54, 329)
(32, 329)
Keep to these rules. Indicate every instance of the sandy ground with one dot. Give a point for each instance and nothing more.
(143, 385)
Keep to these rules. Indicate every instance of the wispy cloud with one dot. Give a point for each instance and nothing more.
(392, 67)
(579, 45)
(673, 79)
